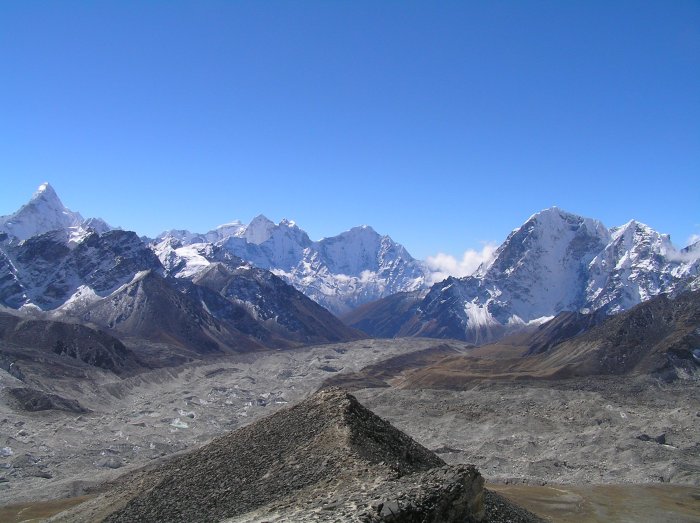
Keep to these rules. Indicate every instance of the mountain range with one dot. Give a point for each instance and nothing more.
(556, 261)
(340, 273)
(248, 286)
(112, 280)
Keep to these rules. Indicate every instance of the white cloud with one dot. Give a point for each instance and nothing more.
(689, 256)
(444, 265)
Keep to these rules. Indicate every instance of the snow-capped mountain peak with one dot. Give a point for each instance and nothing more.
(47, 194)
(339, 272)
(556, 261)
(225, 230)
(259, 230)
(45, 212)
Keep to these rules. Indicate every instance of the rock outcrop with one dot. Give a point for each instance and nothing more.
(326, 459)
(71, 340)
(32, 400)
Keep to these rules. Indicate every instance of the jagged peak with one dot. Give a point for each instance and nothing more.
(45, 190)
(556, 214)
(97, 224)
(364, 228)
(554, 218)
(259, 229)
(549, 212)
(360, 230)
(693, 246)
(45, 195)
(261, 218)
(634, 232)
(43, 213)
(630, 226)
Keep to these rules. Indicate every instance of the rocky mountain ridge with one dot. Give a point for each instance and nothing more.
(554, 262)
(114, 281)
(340, 272)
(328, 458)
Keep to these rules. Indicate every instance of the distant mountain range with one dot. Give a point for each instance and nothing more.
(556, 261)
(113, 280)
(228, 287)
(340, 273)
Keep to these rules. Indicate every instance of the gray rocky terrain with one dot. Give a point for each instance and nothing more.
(635, 430)
(53, 453)
(576, 431)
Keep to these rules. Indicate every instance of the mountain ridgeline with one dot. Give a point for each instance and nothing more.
(112, 280)
(554, 262)
(340, 273)
(243, 287)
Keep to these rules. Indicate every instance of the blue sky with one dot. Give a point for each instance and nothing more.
(442, 124)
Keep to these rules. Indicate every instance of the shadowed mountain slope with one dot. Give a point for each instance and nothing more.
(150, 308)
(380, 318)
(279, 313)
(659, 337)
(78, 342)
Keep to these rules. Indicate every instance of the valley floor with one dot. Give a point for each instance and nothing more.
(574, 432)
(584, 431)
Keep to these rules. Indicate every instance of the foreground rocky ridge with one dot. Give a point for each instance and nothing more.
(137, 419)
(326, 459)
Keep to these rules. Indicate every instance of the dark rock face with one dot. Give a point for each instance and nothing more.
(33, 400)
(241, 292)
(44, 271)
(446, 494)
(656, 337)
(383, 317)
(563, 327)
(151, 308)
(91, 346)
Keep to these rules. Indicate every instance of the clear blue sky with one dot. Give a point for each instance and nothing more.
(442, 124)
